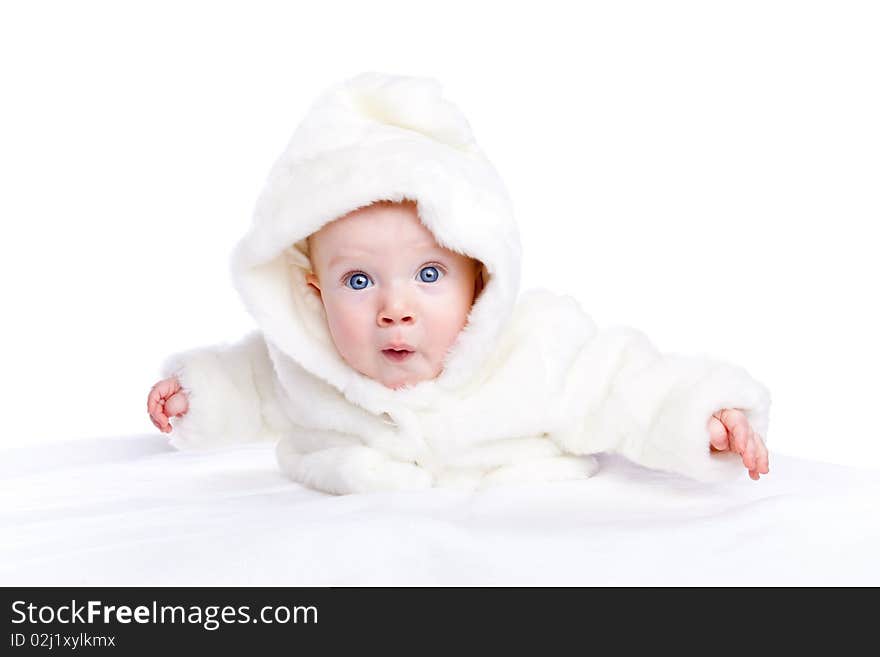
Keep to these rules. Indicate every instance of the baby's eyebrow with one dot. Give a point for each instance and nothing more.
(340, 257)
(435, 250)
(423, 246)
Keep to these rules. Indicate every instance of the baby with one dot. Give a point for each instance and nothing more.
(394, 351)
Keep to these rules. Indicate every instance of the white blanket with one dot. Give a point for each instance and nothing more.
(132, 511)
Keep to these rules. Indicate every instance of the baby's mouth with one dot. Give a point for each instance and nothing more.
(397, 355)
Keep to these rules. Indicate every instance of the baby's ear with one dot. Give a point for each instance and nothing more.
(312, 280)
(478, 282)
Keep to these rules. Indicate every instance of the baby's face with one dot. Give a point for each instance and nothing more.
(385, 284)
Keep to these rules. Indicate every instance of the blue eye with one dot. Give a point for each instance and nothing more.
(358, 281)
(429, 274)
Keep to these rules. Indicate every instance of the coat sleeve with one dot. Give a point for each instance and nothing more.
(654, 408)
(231, 393)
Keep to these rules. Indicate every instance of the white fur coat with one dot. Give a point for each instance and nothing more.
(529, 390)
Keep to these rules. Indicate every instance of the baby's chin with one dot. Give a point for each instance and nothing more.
(398, 383)
(405, 376)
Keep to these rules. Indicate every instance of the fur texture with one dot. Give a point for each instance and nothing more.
(529, 389)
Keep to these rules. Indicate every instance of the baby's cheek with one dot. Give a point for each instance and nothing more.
(349, 329)
(446, 321)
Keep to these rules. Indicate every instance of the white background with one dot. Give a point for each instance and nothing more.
(708, 173)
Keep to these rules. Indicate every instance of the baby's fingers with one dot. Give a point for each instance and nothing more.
(763, 456)
(739, 439)
(756, 458)
(737, 427)
(718, 434)
(154, 399)
(750, 453)
(155, 409)
(160, 421)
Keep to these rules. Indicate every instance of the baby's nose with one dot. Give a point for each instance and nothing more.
(389, 317)
(396, 310)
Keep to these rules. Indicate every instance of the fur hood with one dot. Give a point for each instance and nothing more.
(377, 137)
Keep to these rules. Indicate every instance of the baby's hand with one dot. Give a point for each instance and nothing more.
(730, 429)
(167, 399)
